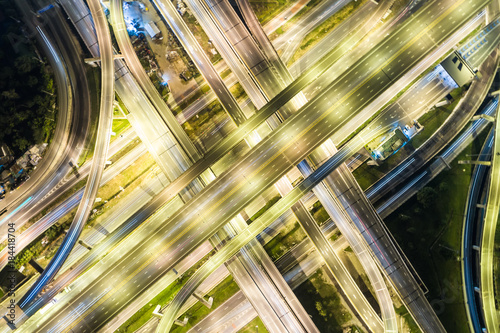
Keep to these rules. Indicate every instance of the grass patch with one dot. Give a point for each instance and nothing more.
(94, 83)
(200, 36)
(284, 241)
(238, 92)
(429, 229)
(128, 179)
(256, 325)
(267, 10)
(336, 235)
(321, 300)
(221, 293)
(144, 314)
(323, 29)
(367, 175)
(433, 119)
(212, 115)
(319, 213)
(264, 209)
(403, 312)
(119, 126)
(122, 152)
(225, 73)
(202, 90)
(291, 22)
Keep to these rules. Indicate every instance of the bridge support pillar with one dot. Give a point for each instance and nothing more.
(203, 301)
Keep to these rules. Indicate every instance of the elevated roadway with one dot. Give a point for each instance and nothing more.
(52, 217)
(490, 311)
(252, 231)
(144, 118)
(198, 204)
(422, 178)
(191, 45)
(73, 120)
(232, 28)
(134, 65)
(458, 119)
(99, 160)
(471, 236)
(298, 119)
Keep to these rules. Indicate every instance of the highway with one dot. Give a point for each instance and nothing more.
(375, 12)
(192, 47)
(488, 236)
(99, 159)
(25, 215)
(236, 312)
(289, 41)
(456, 121)
(471, 235)
(365, 20)
(480, 45)
(144, 118)
(216, 82)
(34, 231)
(419, 180)
(201, 208)
(74, 111)
(243, 238)
(272, 298)
(134, 65)
(249, 52)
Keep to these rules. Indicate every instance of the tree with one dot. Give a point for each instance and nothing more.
(426, 196)
(443, 186)
(24, 64)
(320, 309)
(10, 94)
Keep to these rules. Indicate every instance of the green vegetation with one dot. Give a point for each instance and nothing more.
(128, 179)
(200, 36)
(221, 293)
(204, 120)
(203, 89)
(94, 84)
(431, 120)
(429, 230)
(164, 297)
(27, 93)
(292, 21)
(122, 152)
(319, 213)
(264, 209)
(158, 83)
(321, 300)
(284, 241)
(323, 29)
(238, 91)
(225, 73)
(336, 235)
(403, 312)
(119, 126)
(266, 10)
(254, 326)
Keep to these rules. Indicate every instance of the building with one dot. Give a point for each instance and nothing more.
(458, 68)
(153, 30)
